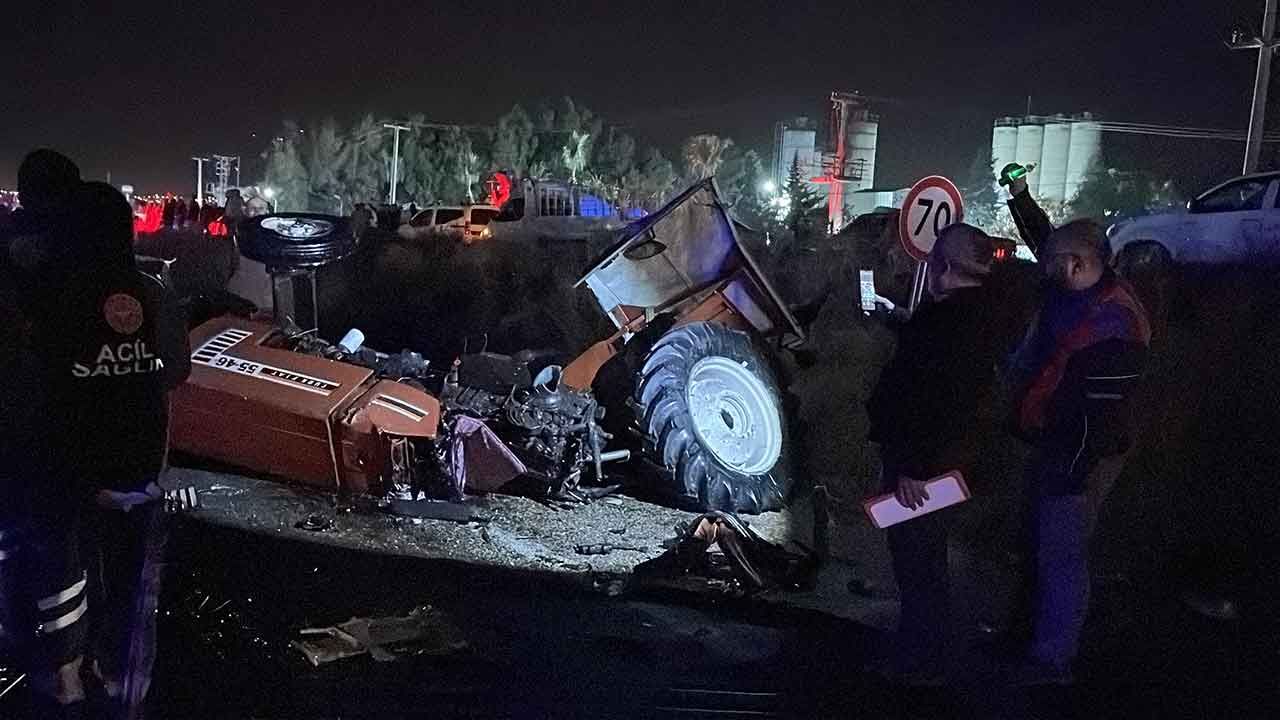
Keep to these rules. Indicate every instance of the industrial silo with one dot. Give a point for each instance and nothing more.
(1054, 160)
(794, 140)
(1004, 144)
(1086, 150)
(1030, 147)
(860, 153)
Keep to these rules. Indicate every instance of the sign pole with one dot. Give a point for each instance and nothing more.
(917, 286)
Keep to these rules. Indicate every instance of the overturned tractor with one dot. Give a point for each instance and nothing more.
(684, 387)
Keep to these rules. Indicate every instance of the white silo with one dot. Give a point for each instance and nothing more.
(1054, 160)
(860, 154)
(1085, 150)
(1004, 145)
(1030, 147)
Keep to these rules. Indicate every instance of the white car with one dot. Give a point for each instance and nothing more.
(1235, 222)
(466, 222)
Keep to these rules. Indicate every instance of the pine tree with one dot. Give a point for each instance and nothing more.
(983, 204)
(803, 219)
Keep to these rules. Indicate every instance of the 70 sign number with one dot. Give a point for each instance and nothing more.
(931, 205)
(944, 208)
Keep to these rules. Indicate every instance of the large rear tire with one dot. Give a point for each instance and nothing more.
(712, 415)
(287, 241)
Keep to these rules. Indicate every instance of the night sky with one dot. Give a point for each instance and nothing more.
(137, 88)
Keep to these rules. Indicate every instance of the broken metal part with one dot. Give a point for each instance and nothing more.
(182, 499)
(436, 510)
(759, 564)
(425, 631)
(605, 549)
(315, 522)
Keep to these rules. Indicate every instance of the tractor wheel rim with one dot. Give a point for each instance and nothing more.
(734, 415)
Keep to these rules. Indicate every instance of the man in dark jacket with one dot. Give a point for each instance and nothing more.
(1073, 376)
(925, 416)
(110, 344)
(47, 183)
(168, 213)
(193, 212)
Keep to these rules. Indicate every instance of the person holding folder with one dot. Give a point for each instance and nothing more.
(925, 416)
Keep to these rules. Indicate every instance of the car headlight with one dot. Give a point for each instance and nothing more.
(486, 233)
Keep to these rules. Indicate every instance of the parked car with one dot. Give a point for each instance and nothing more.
(1237, 221)
(466, 222)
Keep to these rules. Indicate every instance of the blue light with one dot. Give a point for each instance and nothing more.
(592, 206)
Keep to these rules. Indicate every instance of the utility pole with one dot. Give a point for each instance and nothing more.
(200, 176)
(1265, 45)
(395, 159)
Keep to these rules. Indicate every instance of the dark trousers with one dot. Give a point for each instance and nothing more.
(124, 552)
(919, 550)
(84, 581)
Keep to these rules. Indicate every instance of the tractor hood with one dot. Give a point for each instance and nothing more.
(681, 253)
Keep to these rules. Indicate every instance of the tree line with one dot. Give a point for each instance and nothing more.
(327, 167)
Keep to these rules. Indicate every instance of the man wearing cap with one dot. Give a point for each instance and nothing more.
(1073, 376)
(925, 416)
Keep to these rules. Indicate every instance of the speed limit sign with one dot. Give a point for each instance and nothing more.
(932, 204)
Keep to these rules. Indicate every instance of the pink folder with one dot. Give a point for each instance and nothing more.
(945, 490)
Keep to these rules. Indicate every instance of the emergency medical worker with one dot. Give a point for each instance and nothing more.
(925, 415)
(110, 344)
(1073, 377)
(47, 183)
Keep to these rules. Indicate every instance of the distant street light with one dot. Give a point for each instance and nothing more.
(200, 161)
(395, 159)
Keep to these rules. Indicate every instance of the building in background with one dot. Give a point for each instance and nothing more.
(862, 130)
(1062, 147)
(795, 139)
(861, 202)
(844, 161)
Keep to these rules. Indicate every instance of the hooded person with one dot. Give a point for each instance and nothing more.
(926, 416)
(47, 184)
(111, 347)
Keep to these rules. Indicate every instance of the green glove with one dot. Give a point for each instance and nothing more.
(1014, 171)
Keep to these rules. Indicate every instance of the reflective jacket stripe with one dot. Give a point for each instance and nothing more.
(54, 601)
(66, 620)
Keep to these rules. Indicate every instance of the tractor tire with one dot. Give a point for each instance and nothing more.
(710, 410)
(289, 241)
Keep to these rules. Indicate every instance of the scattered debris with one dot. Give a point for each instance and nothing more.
(315, 522)
(604, 549)
(436, 510)
(751, 560)
(179, 500)
(425, 631)
(10, 678)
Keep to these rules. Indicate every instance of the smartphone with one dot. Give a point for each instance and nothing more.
(867, 283)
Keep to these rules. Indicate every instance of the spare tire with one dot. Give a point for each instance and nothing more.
(709, 406)
(286, 241)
